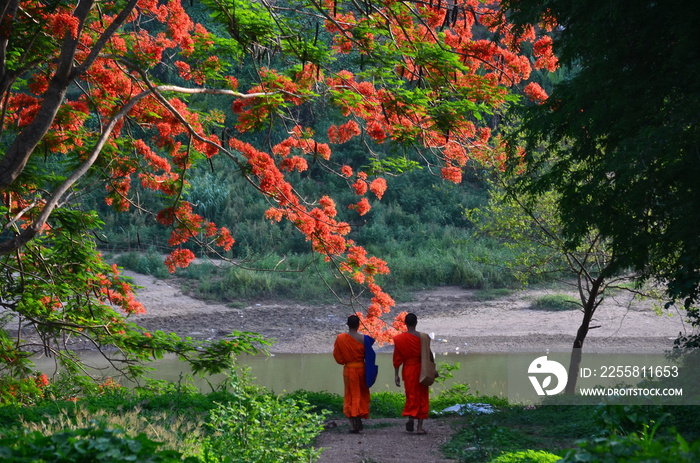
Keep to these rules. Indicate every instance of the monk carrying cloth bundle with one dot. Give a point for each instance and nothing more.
(428, 371)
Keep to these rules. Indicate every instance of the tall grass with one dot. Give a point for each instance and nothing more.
(148, 263)
(303, 277)
(556, 303)
(173, 431)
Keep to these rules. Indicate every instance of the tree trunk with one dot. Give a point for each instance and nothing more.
(577, 353)
(577, 350)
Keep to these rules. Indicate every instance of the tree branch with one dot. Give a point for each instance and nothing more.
(30, 232)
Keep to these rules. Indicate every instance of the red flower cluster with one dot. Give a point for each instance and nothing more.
(186, 226)
(544, 54)
(179, 258)
(378, 187)
(362, 206)
(535, 93)
(116, 292)
(452, 174)
(62, 23)
(301, 141)
(344, 132)
(42, 380)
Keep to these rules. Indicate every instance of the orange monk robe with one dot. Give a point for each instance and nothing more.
(407, 353)
(350, 352)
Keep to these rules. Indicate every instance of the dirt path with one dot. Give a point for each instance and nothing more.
(386, 441)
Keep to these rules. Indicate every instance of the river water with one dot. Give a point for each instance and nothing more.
(505, 375)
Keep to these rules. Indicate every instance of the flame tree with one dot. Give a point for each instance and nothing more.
(100, 94)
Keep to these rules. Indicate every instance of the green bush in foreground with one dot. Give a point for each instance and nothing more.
(527, 456)
(638, 447)
(95, 444)
(238, 422)
(321, 402)
(259, 426)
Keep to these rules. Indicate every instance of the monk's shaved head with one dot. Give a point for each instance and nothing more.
(353, 321)
(411, 320)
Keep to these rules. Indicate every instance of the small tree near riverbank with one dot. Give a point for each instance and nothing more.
(530, 226)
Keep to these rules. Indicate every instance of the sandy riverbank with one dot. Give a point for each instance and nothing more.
(458, 319)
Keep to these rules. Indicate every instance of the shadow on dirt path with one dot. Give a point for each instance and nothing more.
(385, 441)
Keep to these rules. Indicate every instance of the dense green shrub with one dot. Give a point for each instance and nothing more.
(386, 404)
(260, 427)
(98, 444)
(527, 456)
(237, 422)
(637, 447)
(556, 303)
(321, 402)
(149, 263)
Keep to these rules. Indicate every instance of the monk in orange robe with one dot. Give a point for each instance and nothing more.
(407, 352)
(349, 350)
